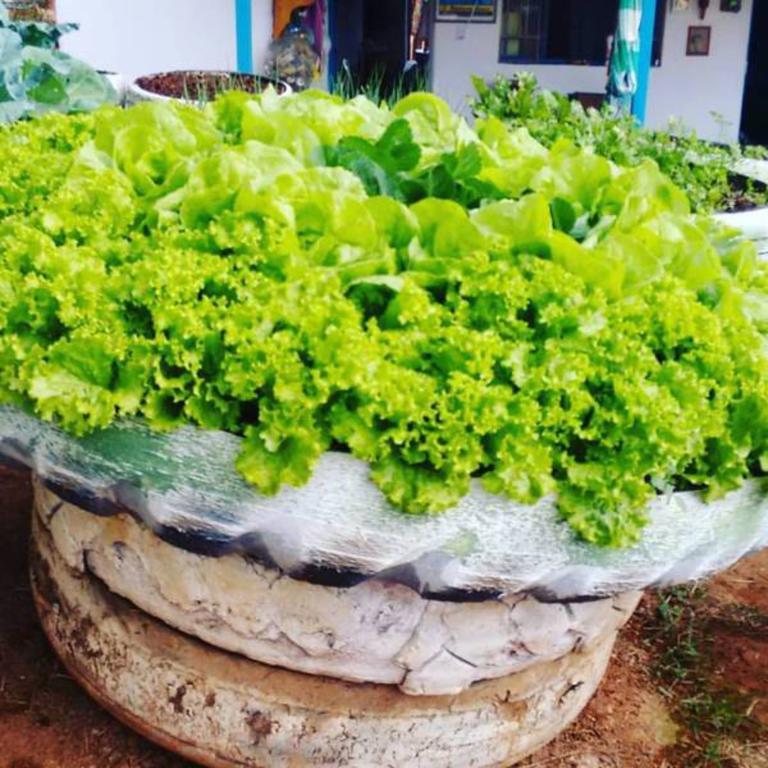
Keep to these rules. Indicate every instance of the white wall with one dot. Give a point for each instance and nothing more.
(687, 87)
(262, 30)
(135, 37)
(462, 50)
(692, 88)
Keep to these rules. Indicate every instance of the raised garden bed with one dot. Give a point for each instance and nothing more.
(131, 567)
(247, 339)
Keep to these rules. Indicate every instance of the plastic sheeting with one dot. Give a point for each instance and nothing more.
(339, 530)
(752, 224)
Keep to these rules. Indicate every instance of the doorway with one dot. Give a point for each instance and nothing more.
(372, 47)
(754, 116)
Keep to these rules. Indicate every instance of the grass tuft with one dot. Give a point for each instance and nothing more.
(716, 719)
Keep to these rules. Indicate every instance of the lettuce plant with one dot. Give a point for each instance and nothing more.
(445, 303)
(702, 169)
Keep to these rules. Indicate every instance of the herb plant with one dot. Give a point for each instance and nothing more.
(442, 302)
(377, 86)
(701, 169)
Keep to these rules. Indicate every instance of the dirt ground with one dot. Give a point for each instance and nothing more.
(687, 687)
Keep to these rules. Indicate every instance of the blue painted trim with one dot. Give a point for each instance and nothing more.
(244, 35)
(647, 24)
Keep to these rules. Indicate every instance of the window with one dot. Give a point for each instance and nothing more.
(564, 31)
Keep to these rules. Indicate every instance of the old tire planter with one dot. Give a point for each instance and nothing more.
(162, 659)
(320, 627)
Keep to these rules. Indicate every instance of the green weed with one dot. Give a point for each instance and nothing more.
(377, 86)
(681, 629)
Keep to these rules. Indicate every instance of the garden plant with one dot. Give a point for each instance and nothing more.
(445, 303)
(36, 77)
(703, 170)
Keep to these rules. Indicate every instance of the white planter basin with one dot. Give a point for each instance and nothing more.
(755, 169)
(753, 224)
(119, 83)
(135, 94)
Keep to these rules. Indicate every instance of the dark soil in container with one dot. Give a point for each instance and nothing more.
(744, 191)
(204, 86)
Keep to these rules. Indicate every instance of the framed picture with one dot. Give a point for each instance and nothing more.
(698, 41)
(467, 11)
(730, 6)
(679, 5)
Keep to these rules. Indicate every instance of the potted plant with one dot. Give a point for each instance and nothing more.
(32, 10)
(197, 86)
(395, 415)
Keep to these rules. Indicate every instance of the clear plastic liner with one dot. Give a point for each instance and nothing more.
(338, 529)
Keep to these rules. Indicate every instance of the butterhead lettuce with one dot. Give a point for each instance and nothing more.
(445, 303)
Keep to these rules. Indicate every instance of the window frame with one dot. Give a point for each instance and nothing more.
(656, 56)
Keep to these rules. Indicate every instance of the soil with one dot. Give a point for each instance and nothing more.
(634, 721)
(204, 86)
(745, 194)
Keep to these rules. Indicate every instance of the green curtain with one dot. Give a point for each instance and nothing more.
(625, 54)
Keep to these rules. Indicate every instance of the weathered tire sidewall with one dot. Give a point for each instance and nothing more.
(376, 631)
(223, 710)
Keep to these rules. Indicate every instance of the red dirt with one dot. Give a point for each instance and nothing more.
(742, 663)
(46, 721)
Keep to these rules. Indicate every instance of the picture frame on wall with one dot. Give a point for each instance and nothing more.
(730, 6)
(679, 5)
(466, 11)
(699, 39)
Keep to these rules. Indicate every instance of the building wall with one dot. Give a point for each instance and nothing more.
(705, 92)
(685, 87)
(135, 37)
(462, 50)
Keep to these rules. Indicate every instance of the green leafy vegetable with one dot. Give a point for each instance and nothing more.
(36, 78)
(704, 171)
(445, 304)
(379, 164)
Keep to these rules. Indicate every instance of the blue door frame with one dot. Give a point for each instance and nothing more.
(647, 24)
(244, 35)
